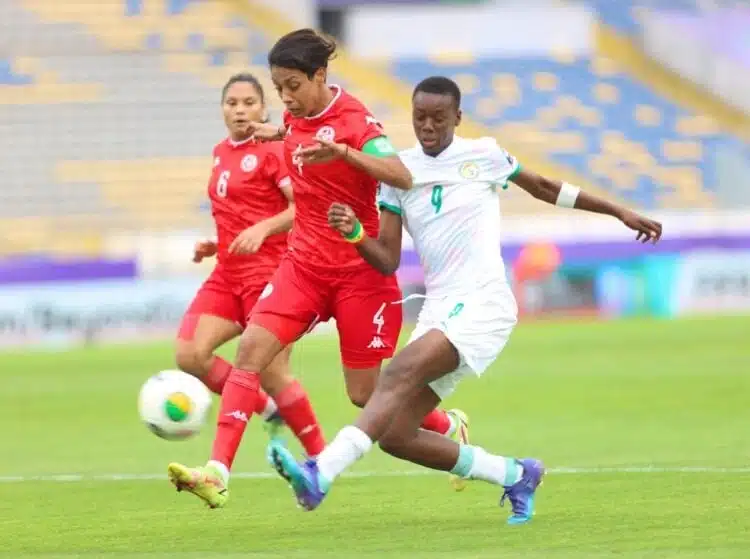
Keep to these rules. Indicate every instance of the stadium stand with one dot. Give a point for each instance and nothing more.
(587, 115)
(110, 109)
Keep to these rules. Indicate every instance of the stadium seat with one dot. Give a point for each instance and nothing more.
(588, 115)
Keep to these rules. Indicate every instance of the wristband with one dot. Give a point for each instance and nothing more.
(567, 196)
(356, 235)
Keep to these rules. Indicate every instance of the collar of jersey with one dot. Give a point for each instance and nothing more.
(336, 96)
(456, 143)
(240, 143)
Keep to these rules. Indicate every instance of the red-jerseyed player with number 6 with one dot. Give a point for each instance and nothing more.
(335, 150)
(252, 205)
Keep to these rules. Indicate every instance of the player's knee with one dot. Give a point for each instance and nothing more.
(192, 360)
(358, 394)
(257, 349)
(395, 442)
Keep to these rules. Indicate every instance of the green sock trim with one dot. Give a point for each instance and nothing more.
(465, 461)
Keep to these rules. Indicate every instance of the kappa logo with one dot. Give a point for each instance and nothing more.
(376, 343)
(249, 163)
(217, 161)
(326, 133)
(239, 415)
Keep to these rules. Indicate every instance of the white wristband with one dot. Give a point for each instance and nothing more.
(567, 196)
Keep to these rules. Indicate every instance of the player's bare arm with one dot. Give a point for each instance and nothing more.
(383, 253)
(265, 131)
(252, 238)
(388, 169)
(564, 194)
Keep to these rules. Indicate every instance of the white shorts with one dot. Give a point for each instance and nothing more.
(478, 325)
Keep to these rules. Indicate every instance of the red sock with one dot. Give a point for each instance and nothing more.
(297, 413)
(264, 405)
(217, 376)
(438, 421)
(237, 406)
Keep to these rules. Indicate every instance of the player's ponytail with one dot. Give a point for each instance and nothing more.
(244, 77)
(305, 50)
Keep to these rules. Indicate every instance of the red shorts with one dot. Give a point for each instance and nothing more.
(223, 296)
(364, 303)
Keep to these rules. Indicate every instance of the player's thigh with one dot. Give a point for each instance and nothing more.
(209, 333)
(368, 318)
(288, 306)
(479, 331)
(429, 357)
(212, 319)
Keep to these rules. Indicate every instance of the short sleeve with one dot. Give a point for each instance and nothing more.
(503, 166)
(276, 165)
(388, 199)
(365, 127)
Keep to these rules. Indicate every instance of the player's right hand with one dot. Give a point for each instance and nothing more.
(342, 218)
(204, 249)
(264, 131)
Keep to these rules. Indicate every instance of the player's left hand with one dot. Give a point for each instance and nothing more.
(647, 229)
(342, 218)
(250, 240)
(322, 152)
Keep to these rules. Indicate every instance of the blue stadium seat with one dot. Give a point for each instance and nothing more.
(9, 77)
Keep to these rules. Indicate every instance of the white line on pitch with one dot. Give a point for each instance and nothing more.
(69, 478)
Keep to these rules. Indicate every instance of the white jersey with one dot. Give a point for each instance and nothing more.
(453, 213)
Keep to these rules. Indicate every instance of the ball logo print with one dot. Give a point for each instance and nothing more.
(326, 133)
(178, 406)
(249, 163)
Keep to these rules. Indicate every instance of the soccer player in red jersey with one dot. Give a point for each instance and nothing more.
(252, 204)
(335, 151)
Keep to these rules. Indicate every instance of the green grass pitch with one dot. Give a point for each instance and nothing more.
(644, 424)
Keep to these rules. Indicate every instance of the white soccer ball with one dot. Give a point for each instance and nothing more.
(174, 405)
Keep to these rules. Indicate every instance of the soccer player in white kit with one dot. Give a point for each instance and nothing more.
(452, 214)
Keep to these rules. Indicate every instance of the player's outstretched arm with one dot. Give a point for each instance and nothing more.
(569, 196)
(383, 253)
(377, 158)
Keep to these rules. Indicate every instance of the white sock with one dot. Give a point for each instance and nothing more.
(270, 409)
(221, 468)
(349, 446)
(494, 469)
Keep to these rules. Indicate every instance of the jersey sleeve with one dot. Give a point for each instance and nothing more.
(365, 127)
(503, 167)
(388, 199)
(277, 171)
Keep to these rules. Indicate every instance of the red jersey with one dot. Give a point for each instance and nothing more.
(312, 241)
(245, 188)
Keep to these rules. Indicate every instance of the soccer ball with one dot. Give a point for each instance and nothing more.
(174, 405)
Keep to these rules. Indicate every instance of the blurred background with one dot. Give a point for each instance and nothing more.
(109, 110)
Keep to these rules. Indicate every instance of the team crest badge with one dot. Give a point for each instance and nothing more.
(217, 161)
(326, 133)
(249, 163)
(469, 170)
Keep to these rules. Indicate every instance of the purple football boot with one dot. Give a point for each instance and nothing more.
(521, 494)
